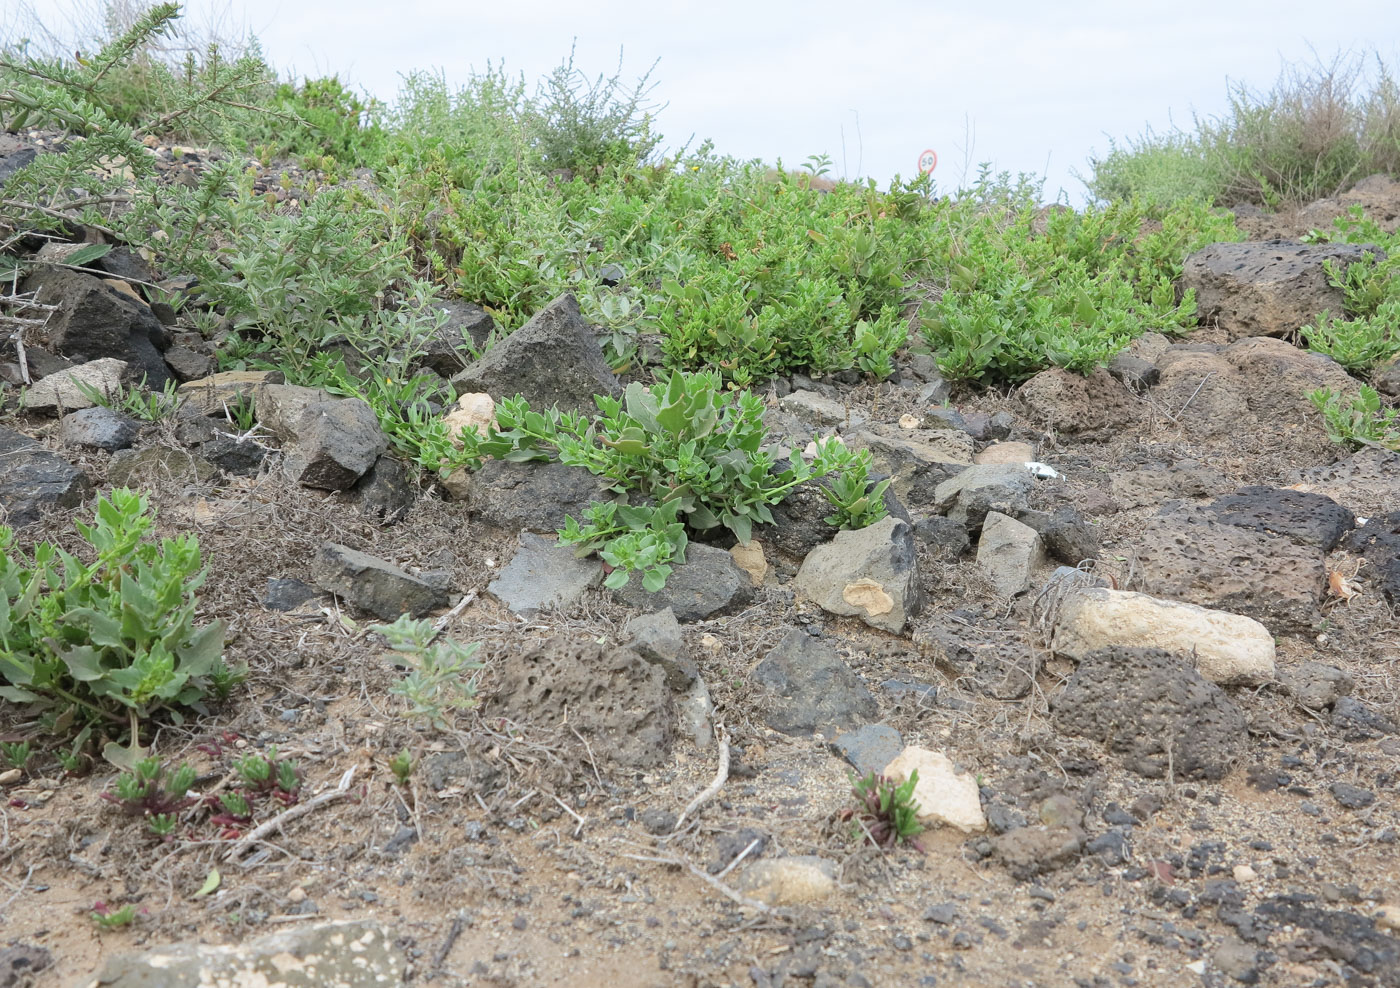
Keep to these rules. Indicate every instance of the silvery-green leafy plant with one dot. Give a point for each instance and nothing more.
(104, 643)
(683, 456)
(441, 670)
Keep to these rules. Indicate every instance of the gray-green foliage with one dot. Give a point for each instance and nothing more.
(681, 455)
(1360, 421)
(103, 643)
(105, 102)
(441, 671)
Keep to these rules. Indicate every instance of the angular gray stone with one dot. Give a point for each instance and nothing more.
(553, 360)
(276, 407)
(1154, 710)
(372, 584)
(707, 584)
(611, 694)
(1009, 553)
(872, 573)
(1066, 533)
(99, 428)
(657, 638)
(869, 748)
(820, 411)
(816, 690)
(95, 320)
(157, 464)
(982, 487)
(1304, 517)
(1386, 377)
(60, 392)
(946, 537)
(543, 575)
(347, 954)
(916, 462)
(388, 491)
(334, 444)
(240, 458)
(189, 365)
(446, 351)
(287, 594)
(1268, 288)
(1316, 685)
(534, 497)
(34, 480)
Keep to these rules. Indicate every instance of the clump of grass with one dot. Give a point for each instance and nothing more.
(1315, 132)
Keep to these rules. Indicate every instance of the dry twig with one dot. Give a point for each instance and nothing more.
(291, 813)
(708, 793)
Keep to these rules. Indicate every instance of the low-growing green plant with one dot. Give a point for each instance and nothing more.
(691, 456)
(268, 775)
(857, 503)
(440, 680)
(106, 643)
(110, 918)
(885, 812)
(137, 402)
(1357, 344)
(147, 790)
(1360, 421)
(402, 767)
(16, 753)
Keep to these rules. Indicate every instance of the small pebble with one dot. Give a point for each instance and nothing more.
(297, 894)
(1244, 873)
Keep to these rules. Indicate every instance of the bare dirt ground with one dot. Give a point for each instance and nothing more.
(518, 855)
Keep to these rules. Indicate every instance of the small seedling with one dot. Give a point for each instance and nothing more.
(885, 811)
(108, 918)
(439, 681)
(16, 753)
(402, 767)
(235, 804)
(145, 790)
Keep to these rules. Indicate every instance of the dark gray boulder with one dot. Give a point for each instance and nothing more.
(1154, 710)
(553, 360)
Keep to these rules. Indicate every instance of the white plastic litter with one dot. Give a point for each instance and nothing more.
(1043, 471)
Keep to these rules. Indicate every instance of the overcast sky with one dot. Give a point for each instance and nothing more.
(1033, 87)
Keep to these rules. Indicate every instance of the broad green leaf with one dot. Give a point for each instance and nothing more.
(211, 883)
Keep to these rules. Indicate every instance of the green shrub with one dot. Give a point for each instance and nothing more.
(692, 457)
(1317, 131)
(1359, 421)
(102, 645)
(440, 680)
(1368, 332)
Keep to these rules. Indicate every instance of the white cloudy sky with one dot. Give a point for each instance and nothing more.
(1028, 86)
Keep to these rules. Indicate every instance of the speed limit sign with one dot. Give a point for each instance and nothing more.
(928, 161)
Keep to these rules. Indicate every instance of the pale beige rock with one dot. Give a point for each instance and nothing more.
(61, 391)
(457, 484)
(1388, 918)
(789, 881)
(1228, 649)
(473, 409)
(907, 421)
(869, 596)
(124, 287)
(945, 795)
(211, 394)
(1006, 453)
(1244, 873)
(748, 556)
